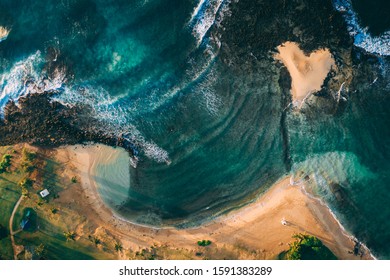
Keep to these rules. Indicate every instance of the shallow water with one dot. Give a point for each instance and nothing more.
(110, 172)
(194, 85)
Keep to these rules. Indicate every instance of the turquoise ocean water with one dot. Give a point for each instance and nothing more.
(194, 84)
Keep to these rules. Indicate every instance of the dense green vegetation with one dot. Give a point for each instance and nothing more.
(204, 243)
(5, 163)
(308, 247)
(3, 232)
(28, 159)
(70, 235)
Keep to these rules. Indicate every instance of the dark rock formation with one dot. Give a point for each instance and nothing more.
(40, 121)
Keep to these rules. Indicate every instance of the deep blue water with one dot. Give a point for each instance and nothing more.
(212, 131)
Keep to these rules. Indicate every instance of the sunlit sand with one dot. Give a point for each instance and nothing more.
(4, 33)
(307, 72)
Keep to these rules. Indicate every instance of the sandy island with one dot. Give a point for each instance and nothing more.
(256, 226)
(307, 72)
(4, 33)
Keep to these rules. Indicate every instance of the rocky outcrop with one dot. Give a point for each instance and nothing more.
(40, 121)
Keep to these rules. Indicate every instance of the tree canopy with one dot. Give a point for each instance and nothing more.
(308, 247)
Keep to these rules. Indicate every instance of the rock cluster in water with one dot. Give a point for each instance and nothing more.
(38, 120)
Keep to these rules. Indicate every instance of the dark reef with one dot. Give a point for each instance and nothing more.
(40, 121)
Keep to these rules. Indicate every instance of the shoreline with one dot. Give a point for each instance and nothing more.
(256, 226)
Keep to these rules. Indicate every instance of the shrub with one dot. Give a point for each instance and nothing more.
(26, 183)
(118, 247)
(5, 163)
(97, 241)
(70, 235)
(25, 192)
(204, 243)
(40, 251)
(28, 156)
(308, 247)
(27, 167)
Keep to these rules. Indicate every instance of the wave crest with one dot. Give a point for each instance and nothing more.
(26, 77)
(379, 45)
(205, 15)
(114, 117)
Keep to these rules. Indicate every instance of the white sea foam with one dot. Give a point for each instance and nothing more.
(4, 32)
(195, 71)
(344, 231)
(343, 168)
(379, 45)
(205, 16)
(197, 10)
(14, 83)
(114, 117)
(338, 166)
(26, 77)
(212, 101)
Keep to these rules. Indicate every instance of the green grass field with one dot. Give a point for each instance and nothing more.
(50, 222)
(10, 192)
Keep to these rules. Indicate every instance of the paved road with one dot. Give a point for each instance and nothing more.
(12, 232)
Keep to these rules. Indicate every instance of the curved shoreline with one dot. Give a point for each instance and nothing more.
(255, 226)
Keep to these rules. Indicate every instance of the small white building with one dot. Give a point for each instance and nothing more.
(44, 193)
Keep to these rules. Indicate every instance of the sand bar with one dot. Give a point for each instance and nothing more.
(256, 226)
(307, 72)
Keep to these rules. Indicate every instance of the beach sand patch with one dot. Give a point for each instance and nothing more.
(307, 72)
(4, 33)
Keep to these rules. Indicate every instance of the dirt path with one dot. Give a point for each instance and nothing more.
(12, 232)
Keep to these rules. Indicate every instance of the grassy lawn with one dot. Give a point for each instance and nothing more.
(49, 221)
(6, 252)
(9, 195)
(50, 230)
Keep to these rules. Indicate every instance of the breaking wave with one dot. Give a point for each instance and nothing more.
(114, 116)
(205, 15)
(26, 77)
(379, 45)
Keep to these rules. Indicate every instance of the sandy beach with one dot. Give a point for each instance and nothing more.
(4, 33)
(307, 72)
(255, 227)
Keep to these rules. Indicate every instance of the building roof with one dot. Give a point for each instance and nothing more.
(44, 193)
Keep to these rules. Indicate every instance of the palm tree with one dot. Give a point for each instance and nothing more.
(70, 235)
(118, 247)
(97, 241)
(40, 250)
